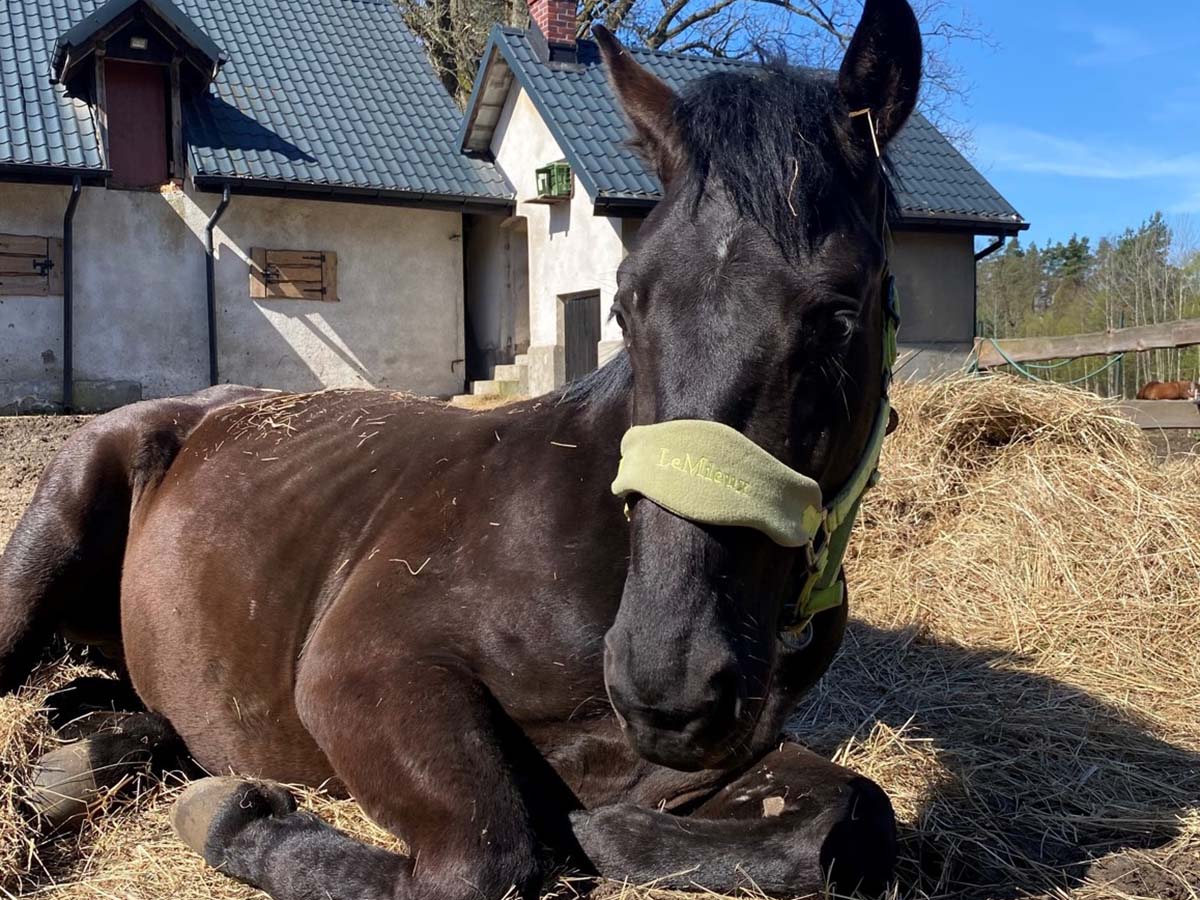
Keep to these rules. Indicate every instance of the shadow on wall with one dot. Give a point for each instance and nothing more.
(560, 218)
(1020, 782)
(276, 343)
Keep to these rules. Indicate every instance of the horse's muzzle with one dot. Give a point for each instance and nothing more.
(688, 724)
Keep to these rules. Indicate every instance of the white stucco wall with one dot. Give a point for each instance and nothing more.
(571, 250)
(935, 275)
(140, 296)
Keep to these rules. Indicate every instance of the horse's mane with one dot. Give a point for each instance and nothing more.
(611, 381)
(769, 136)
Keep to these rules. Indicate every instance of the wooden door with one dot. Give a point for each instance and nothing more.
(581, 324)
(135, 96)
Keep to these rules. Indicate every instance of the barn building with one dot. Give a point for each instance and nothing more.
(538, 281)
(281, 193)
(338, 258)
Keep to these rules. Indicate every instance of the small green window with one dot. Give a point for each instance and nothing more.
(554, 182)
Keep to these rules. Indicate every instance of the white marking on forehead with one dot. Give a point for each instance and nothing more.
(723, 244)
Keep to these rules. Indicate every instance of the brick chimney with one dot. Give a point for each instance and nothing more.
(556, 20)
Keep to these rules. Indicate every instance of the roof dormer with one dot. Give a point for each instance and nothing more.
(133, 60)
(146, 31)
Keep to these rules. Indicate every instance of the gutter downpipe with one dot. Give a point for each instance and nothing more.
(68, 377)
(210, 277)
(990, 248)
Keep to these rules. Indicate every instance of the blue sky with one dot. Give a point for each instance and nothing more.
(1087, 116)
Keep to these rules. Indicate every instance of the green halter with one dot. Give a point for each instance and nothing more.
(708, 472)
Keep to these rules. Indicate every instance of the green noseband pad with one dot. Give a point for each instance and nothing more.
(709, 472)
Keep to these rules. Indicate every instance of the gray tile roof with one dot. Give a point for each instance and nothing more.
(932, 180)
(39, 124)
(321, 94)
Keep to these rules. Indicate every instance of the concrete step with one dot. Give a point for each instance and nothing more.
(521, 359)
(496, 387)
(514, 372)
(470, 401)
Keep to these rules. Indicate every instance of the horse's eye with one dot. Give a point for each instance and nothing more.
(618, 313)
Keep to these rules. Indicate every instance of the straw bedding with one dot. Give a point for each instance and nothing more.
(1022, 675)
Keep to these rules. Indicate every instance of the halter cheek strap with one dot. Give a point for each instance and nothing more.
(708, 472)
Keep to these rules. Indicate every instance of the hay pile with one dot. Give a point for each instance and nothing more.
(1025, 670)
(1023, 674)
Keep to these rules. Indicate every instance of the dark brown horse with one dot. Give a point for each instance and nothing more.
(1170, 390)
(448, 613)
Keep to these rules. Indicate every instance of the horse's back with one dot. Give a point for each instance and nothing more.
(253, 534)
(1168, 390)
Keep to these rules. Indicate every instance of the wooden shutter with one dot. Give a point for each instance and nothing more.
(30, 266)
(293, 275)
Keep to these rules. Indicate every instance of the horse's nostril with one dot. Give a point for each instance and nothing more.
(724, 688)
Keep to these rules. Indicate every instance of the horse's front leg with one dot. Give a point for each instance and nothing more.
(421, 745)
(792, 825)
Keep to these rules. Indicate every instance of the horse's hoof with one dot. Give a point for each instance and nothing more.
(64, 784)
(70, 778)
(67, 780)
(219, 808)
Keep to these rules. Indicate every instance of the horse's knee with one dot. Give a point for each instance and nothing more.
(492, 869)
(859, 851)
(253, 831)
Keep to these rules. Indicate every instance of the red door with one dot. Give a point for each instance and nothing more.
(135, 96)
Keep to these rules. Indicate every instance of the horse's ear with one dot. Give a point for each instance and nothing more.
(648, 103)
(882, 69)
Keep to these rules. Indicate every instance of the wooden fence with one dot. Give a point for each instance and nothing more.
(1180, 415)
(1100, 343)
(1149, 414)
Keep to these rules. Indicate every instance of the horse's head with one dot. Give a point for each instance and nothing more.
(751, 300)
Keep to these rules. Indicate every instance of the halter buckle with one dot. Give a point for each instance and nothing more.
(799, 636)
(816, 551)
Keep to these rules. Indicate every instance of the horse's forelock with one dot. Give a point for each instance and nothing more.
(769, 137)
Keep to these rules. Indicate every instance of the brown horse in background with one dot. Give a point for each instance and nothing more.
(450, 616)
(1170, 390)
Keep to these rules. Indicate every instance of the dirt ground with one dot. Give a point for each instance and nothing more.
(26, 445)
(1056, 761)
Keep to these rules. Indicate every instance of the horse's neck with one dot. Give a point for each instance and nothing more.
(600, 404)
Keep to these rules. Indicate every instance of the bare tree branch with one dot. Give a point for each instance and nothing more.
(689, 22)
(806, 32)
